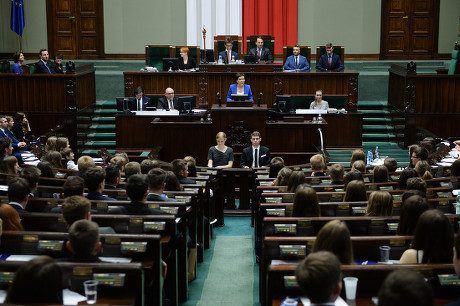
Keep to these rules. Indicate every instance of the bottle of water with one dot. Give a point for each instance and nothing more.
(369, 158)
(220, 60)
(457, 205)
(320, 119)
(233, 59)
(377, 153)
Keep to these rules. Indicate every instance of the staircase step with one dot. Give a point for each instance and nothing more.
(375, 128)
(374, 112)
(102, 136)
(372, 105)
(104, 120)
(100, 144)
(368, 120)
(105, 111)
(102, 127)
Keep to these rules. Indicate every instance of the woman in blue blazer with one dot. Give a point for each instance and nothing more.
(239, 88)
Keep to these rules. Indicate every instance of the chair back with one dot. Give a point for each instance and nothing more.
(304, 50)
(219, 44)
(339, 50)
(154, 55)
(5, 66)
(269, 42)
(453, 67)
(194, 52)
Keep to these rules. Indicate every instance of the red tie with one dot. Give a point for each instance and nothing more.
(330, 61)
(259, 55)
(228, 57)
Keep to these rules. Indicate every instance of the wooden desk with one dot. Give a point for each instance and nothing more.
(206, 84)
(49, 100)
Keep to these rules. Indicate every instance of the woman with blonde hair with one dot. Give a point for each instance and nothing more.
(355, 191)
(220, 156)
(380, 203)
(10, 217)
(62, 143)
(357, 155)
(423, 170)
(319, 103)
(334, 236)
(51, 144)
(306, 203)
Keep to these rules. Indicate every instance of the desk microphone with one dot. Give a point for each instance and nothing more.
(218, 99)
(260, 99)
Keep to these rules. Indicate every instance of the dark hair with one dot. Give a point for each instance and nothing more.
(172, 182)
(75, 208)
(336, 172)
(416, 183)
(295, 179)
(16, 56)
(457, 245)
(228, 40)
(380, 174)
(112, 172)
(74, 186)
(83, 237)
(421, 153)
(318, 275)
(46, 169)
(42, 50)
(18, 189)
(283, 176)
(178, 165)
(434, 235)
(4, 144)
(58, 56)
(19, 116)
(37, 281)
(7, 164)
(405, 287)
(93, 178)
(334, 237)
(54, 158)
(156, 178)
(61, 143)
(455, 168)
(275, 168)
(191, 168)
(305, 202)
(408, 193)
(411, 210)
(138, 90)
(148, 164)
(136, 187)
(32, 175)
(238, 75)
(391, 164)
(404, 176)
(355, 191)
(353, 175)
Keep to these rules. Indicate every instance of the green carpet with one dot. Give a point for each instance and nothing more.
(230, 280)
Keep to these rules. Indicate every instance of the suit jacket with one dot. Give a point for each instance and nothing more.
(136, 208)
(323, 63)
(17, 207)
(7, 133)
(232, 91)
(266, 55)
(156, 197)
(145, 102)
(184, 180)
(41, 67)
(264, 157)
(163, 103)
(302, 66)
(98, 196)
(225, 58)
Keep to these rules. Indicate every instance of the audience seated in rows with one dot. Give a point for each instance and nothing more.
(83, 243)
(84, 163)
(180, 169)
(6, 149)
(353, 175)
(380, 203)
(360, 166)
(306, 203)
(380, 174)
(411, 210)
(68, 156)
(191, 162)
(94, 181)
(45, 169)
(423, 170)
(132, 168)
(112, 177)
(149, 164)
(391, 164)
(32, 175)
(404, 176)
(334, 237)
(156, 180)
(416, 183)
(357, 155)
(283, 176)
(18, 193)
(10, 217)
(336, 172)
(276, 164)
(9, 165)
(318, 165)
(172, 182)
(355, 191)
(295, 179)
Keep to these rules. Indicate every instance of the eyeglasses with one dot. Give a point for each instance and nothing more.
(169, 93)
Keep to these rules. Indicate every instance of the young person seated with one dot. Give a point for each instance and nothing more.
(156, 180)
(329, 61)
(112, 177)
(228, 55)
(94, 181)
(296, 62)
(32, 175)
(180, 169)
(137, 190)
(83, 243)
(336, 173)
(318, 165)
(255, 155)
(132, 168)
(18, 193)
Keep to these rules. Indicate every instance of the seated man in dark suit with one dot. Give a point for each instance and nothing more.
(180, 169)
(83, 243)
(137, 190)
(112, 177)
(156, 179)
(18, 193)
(94, 181)
(42, 66)
(228, 55)
(261, 153)
(261, 53)
(16, 144)
(169, 102)
(329, 61)
(141, 101)
(296, 62)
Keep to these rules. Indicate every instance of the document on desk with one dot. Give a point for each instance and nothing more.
(19, 257)
(304, 111)
(116, 259)
(173, 112)
(338, 302)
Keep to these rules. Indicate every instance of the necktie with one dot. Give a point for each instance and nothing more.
(259, 54)
(296, 60)
(228, 57)
(256, 158)
(47, 67)
(139, 105)
(330, 60)
(171, 105)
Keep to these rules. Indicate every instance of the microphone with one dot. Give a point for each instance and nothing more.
(260, 99)
(218, 99)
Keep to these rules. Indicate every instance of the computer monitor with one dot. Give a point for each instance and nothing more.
(207, 55)
(170, 63)
(186, 104)
(126, 104)
(283, 104)
(237, 97)
(250, 59)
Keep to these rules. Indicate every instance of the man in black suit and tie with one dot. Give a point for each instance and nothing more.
(141, 101)
(42, 65)
(329, 61)
(255, 155)
(17, 145)
(169, 101)
(228, 54)
(261, 53)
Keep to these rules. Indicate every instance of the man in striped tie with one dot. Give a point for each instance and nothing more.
(329, 61)
(42, 66)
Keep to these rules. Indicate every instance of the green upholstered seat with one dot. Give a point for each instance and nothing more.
(305, 101)
(219, 44)
(154, 55)
(269, 42)
(5, 67)
(32, 68)
(339, 50)
(453, 67)
(304, 50)
(194, 52)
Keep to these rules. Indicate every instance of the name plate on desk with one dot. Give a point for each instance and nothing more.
(286, 228)
(293, 250)
(110, 279)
